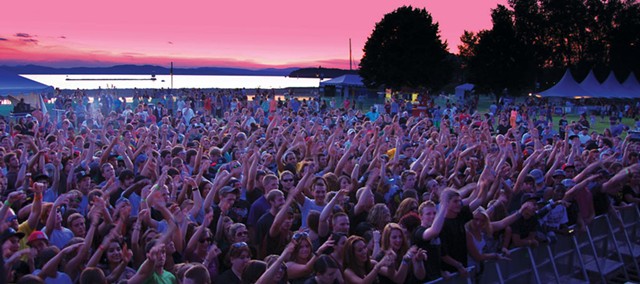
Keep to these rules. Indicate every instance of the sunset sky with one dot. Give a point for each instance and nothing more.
(196, 33)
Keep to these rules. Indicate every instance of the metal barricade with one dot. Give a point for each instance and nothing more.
(455, 278)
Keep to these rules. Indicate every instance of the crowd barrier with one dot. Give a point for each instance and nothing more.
(609, 248)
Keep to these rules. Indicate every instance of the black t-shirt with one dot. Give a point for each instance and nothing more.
(524, 227)
(354, 220)
(263, 226)
(601, 200)
(228, 277)
(432, 264)
(115, 196)
(502, 129)
(454, 238)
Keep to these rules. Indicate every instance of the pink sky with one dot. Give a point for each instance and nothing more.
(192, 33)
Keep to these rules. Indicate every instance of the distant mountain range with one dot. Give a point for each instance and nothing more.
(159, 70)
(148, 70)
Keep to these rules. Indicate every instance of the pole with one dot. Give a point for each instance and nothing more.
(350, 60)
(171, 73)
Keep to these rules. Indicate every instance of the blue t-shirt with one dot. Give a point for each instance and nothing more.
(59, 238)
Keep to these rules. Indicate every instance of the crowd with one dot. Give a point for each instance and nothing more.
(214, 188)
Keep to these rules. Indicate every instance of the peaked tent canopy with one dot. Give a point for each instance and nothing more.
(15, 87)
(566, 88)
(614, 89)
(632, 85)
(593, 86)
(344, 80)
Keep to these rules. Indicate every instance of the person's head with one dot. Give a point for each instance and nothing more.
(275, 199)
(453, 197)
(287, 180)
(239, 255)
(92, 275)
(107, 171)
(227, 195)
(355, 253)
(393, 238)
(253, 270)
(197, 274)
(408, 178)
(427, 211)
(379, 216)
(205, 240)
(340, 223)
(162, 252)
(10, 241)
(326, 269)
(38, 240)
(76, 223)
(302, 252)
(558, 191)
(269, 182)
(319, 189)
(481, 220)
(238, 233)
(113, 253)
(407, 205)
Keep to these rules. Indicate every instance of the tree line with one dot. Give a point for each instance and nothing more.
(529, 46)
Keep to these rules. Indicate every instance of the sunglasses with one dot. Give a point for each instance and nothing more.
(242, 234)
(300, 235)
(239, 245)
(204, 240)
(287, 180)
(236, 166)
(11, 219)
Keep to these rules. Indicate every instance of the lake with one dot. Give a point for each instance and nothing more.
(89, 82)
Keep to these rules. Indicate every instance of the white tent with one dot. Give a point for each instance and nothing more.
(566, 88)
(632, 85)
(593, 86)
(614, 89)
(15, 87)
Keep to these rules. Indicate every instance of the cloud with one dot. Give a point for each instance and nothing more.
(62, 37)
(25, 35)
(3, 39)
(170, 42)
(30, 40)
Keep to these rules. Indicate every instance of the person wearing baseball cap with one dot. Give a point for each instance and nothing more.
(38, 240)
(10, 239)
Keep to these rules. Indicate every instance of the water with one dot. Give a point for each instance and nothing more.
(164, 81)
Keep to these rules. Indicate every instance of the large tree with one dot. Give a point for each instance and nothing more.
(405, 50)
(495, 57)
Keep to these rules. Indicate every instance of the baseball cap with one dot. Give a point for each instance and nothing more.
(37, 235)
(568, 182)
(537, 175)
(82, 174)
(9, 233)
(559, 172)
(528, 197)
(227, 189)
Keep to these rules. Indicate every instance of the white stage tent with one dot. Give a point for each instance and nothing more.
(632, 85)
(614, 89)
(565, 88)
(593, 86)
(590, 87)
(15, 87)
